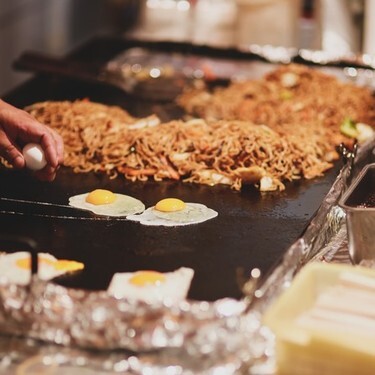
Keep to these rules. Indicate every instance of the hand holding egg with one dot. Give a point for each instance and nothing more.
(19, 128)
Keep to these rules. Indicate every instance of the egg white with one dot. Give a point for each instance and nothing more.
(172, 290)
(11, 273)
(123, 205)
(193, 213)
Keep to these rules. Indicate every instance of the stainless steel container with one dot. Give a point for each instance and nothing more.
(359, 205)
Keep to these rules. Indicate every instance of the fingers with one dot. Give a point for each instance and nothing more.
(59, 147)
(10, 152)
(53, 147)
(49, 147)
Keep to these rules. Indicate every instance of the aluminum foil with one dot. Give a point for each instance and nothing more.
(214, 334)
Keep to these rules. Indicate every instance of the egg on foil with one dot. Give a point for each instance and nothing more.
(174, 212)
(152, 286)
(16, 267)
(105, 202)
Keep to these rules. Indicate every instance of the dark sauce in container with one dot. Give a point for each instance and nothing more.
(369, 202)
(359, 203)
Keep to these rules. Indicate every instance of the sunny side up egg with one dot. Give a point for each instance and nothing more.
(107, 203)
(16, 267)
(174, 212)
(152, 286)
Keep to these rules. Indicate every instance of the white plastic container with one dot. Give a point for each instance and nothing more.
(369, 28)
(268, 22)
(214, 23)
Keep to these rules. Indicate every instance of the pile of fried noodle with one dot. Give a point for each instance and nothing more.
(282, 127)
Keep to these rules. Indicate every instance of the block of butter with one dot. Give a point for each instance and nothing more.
(324, 322)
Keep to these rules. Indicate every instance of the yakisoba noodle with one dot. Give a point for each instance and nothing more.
(265, 132)
(107, 139)
(289, 100)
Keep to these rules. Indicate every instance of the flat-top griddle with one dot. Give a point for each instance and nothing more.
(251, 230)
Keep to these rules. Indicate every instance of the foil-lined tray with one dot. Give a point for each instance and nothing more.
(104, 335)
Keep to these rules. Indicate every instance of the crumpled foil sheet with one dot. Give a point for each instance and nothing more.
(20, 356)
(69, 316)
(215, 334)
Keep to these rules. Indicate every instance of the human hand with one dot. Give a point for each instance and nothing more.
(17, 128)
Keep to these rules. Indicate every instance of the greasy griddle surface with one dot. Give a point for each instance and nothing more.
(251, 230)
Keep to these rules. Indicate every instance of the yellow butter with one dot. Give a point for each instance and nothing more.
(309, 350)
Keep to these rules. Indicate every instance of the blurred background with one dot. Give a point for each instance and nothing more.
(58, 26)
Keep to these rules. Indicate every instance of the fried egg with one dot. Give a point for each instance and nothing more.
(16, 267)
(105, 202)
(174, 212)
(152, 286)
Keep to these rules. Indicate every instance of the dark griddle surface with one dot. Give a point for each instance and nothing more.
(252, 230)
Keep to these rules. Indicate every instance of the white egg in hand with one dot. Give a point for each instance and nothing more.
(34, 157)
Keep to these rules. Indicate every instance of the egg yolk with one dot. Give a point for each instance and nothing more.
(143, 278)
(25, 263)
(170, 205)
(68, 265)
(100, 196)
(59, 265)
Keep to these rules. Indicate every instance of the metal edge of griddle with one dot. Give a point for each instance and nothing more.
(327, 223)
